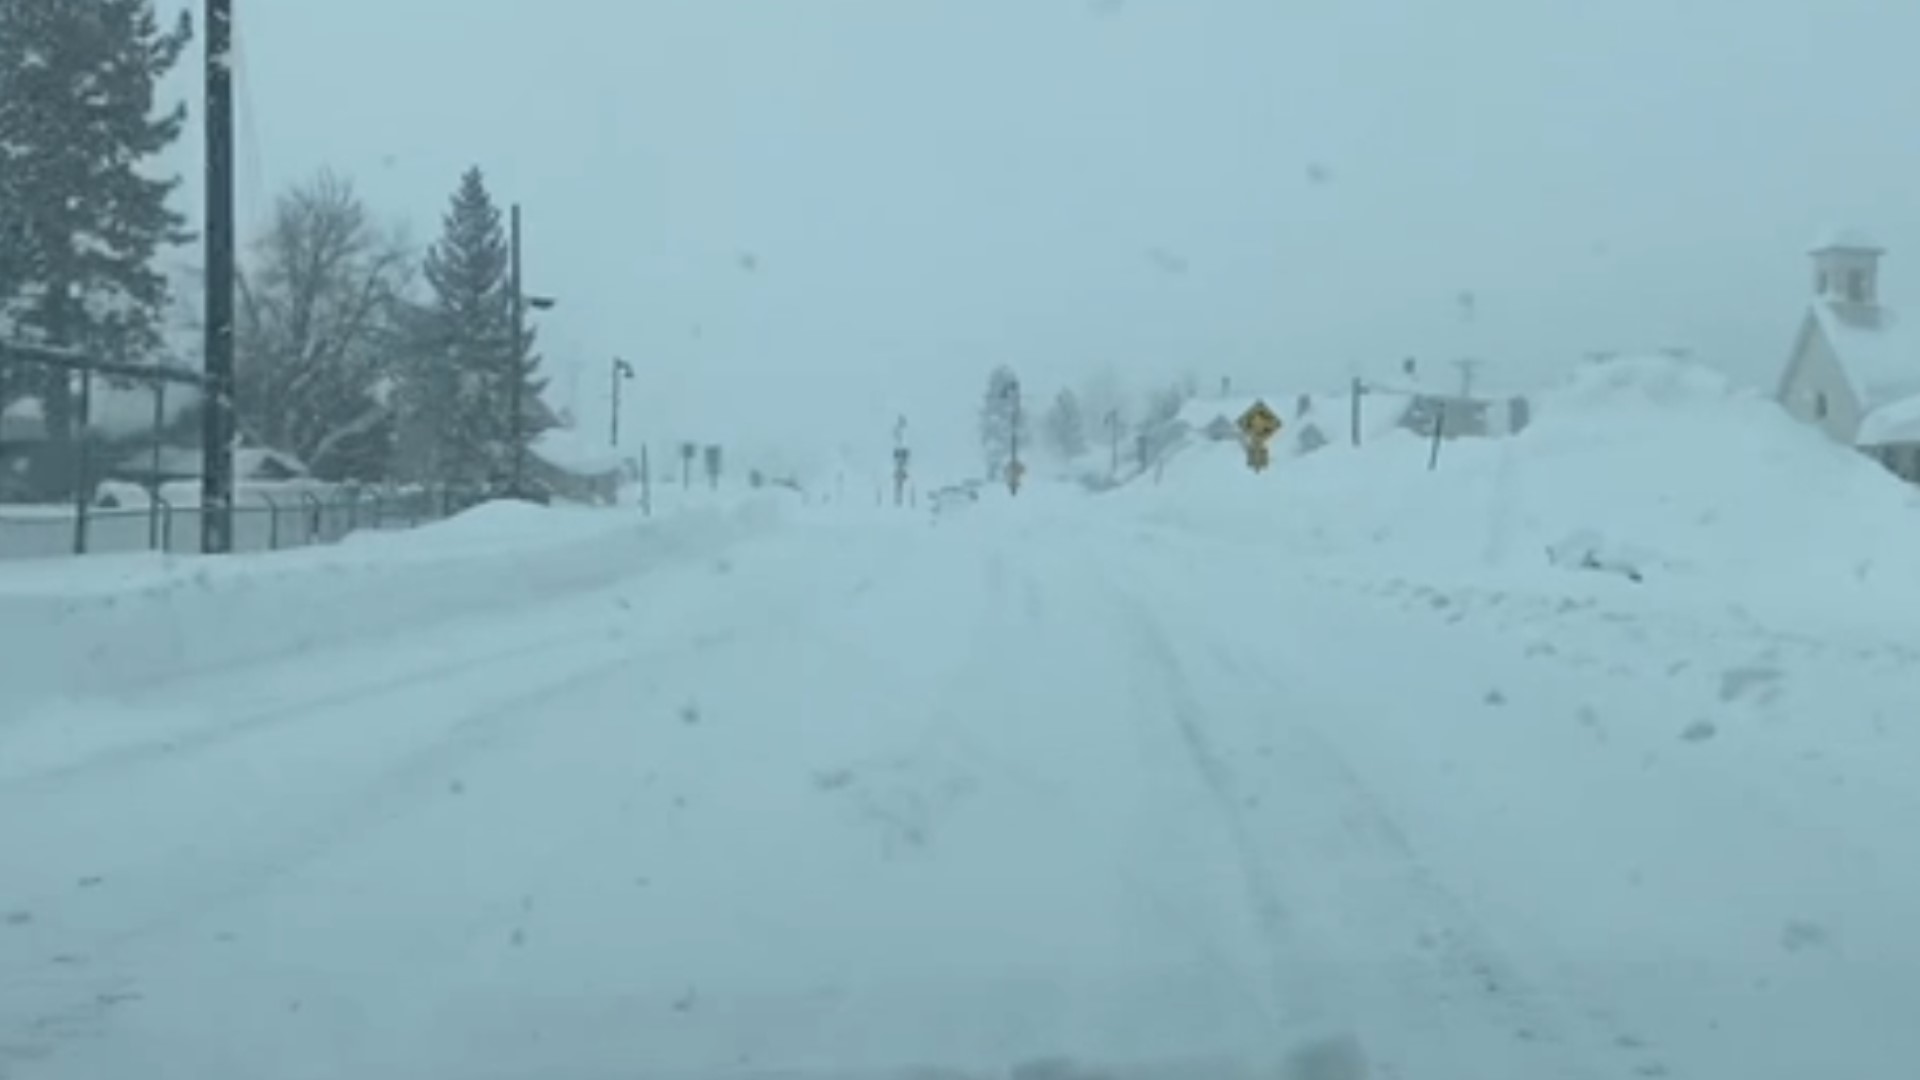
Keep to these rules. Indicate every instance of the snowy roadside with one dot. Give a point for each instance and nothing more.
(1665, 835)
(113, 623)
(1644, 485)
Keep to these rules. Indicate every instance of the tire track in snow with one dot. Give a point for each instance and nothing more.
(1472, 964)
(261, 720)
(90, 996)
(1022, 617)
(1276, 983)
(1263, 892)
(72, 1001)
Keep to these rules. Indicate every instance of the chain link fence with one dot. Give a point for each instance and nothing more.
(262, 520)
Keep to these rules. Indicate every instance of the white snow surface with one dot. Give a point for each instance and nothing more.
(1326, 773)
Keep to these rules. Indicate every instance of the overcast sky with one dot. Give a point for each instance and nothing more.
(1271, 190)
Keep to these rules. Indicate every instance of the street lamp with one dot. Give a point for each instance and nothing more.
(622, 371)
(516, 422)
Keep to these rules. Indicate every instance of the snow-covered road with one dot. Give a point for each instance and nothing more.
(860, 792)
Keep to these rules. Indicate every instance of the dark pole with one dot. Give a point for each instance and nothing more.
(1358, 389)
(83, 463)
(1013, 482)
(518, 354)
(153, 493)
(621, 371)
(646, 482)
(216, 469)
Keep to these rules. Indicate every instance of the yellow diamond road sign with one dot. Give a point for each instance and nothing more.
(1259, 423)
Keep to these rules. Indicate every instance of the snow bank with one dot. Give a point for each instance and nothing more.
(1648, 468)
(109, 623)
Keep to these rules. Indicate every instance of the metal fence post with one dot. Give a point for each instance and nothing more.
(313, 516)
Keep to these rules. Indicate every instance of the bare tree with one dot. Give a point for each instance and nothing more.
(316, 332)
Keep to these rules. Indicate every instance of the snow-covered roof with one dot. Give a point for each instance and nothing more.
(1845, 240)
(1891, 424)
(249, 463)
(122, 411)
(1879, 351)
(27, 409)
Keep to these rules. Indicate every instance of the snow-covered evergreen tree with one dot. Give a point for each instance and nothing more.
(82, 207)
(1066, 426)
(456, 390)
(1002, 415)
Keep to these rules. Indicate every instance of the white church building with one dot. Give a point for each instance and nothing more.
(1855, 367)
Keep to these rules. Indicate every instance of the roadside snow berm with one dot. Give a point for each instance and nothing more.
(1646, 469)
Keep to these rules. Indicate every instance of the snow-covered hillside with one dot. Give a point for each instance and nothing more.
(1586, 755)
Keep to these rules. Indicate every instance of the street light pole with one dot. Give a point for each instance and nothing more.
(516, 352)
(622, 371)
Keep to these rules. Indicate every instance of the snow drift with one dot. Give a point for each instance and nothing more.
(1651, 469)
(111, 622)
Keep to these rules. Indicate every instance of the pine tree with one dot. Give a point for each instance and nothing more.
(455, 393)
(86, 217)
(1066, 426)
(1003, 420)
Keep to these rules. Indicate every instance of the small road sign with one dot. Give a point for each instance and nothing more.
(1259, 423)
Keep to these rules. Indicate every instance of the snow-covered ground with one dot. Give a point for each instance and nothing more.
(1587, 755)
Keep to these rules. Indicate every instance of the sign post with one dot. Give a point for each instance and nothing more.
(1258, 425)
(901, 457)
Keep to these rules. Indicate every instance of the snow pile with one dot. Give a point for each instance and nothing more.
(1649, 468)
(110, 622)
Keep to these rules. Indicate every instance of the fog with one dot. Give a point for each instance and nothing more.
(799, 220)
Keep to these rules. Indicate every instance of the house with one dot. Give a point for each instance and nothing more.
(1854, 371)
(1455, 403)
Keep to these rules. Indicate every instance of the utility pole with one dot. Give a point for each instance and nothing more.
(901, 457)
(83, 462)
(622, 371)
(217, 428)
(1014, 468)
(517, 352)
(1359, 388)
(153, 495)
(646, 482)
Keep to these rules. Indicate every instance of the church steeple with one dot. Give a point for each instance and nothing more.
(1846, 269)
